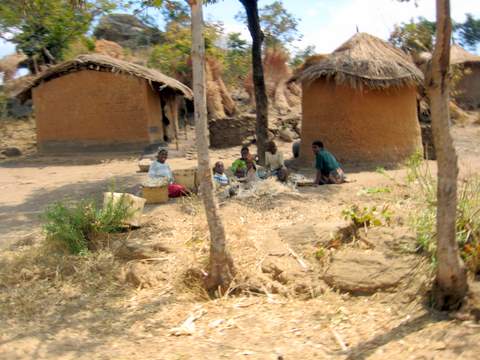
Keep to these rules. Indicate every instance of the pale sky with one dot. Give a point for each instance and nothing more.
(328, 23)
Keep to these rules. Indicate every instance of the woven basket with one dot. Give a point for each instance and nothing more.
(187, 178)
(156, 195)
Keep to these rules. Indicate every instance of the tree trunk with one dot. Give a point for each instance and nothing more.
(451, 282)
(221, 270)
(261, 99)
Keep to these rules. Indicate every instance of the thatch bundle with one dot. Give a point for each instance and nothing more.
(9, 65)
(105, 63)
(281, 94)
(364, 60)
(109, 48)
(219, 101)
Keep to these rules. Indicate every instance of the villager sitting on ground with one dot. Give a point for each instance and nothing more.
(251, 175)
(239, 166)
(219, 175)
(223, 182)
(328, 168)
(159, 168)
(274, 162)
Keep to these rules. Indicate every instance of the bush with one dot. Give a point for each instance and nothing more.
(468, 214)
(367, 216)
(76, 225)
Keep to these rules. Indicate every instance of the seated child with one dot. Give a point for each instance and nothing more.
(239, 166)
(219, 176)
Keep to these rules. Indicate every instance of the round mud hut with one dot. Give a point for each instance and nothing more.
(361, 101)
(98, 103)
(467, 91)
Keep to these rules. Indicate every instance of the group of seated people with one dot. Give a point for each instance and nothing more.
(245, 169)
(328, 170)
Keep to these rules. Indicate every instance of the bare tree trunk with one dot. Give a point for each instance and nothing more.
(451, 282)
(221, 269)
(261, 98)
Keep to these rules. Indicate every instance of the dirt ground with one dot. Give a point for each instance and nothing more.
(86, 309)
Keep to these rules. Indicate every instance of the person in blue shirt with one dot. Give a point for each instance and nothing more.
(160, 169)
(219, 175)
(328, 168)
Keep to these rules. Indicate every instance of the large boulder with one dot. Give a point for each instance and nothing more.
(11, 152)
(287, 135)
(364, 272)
(128, 31)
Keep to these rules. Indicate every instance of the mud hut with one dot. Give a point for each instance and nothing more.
(361, 101)
(96, 102)
(467, 90)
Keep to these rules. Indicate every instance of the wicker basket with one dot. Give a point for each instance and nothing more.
(156, 195)
(144, 165)
(187, 178)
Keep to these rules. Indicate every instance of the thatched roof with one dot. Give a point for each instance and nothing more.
(105, 63)
(364, 60)
(459, 55)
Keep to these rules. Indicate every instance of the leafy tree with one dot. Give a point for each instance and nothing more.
(419, 35)
(414, 36)
(235, 43)
(280, 28)
(469, 32)
(237, 60)
(302, 55)
(43, 29)
(172, 57)
(175, 11)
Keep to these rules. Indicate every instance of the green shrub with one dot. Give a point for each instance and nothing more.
(468, 214)
(76, 225)
(367, 216)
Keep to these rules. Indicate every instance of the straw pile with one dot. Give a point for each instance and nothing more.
(9, 65)
(281, 93)
(109, 48)
(219, 101)
(364, 60)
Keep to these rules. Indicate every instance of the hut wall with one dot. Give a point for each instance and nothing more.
(369, 126)
(154, 114)
(94, 110)
(469, 88)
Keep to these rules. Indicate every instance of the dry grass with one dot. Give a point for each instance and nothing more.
(36, 278)
(158, 256)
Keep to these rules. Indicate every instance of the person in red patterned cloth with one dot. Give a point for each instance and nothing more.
(159, 168)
